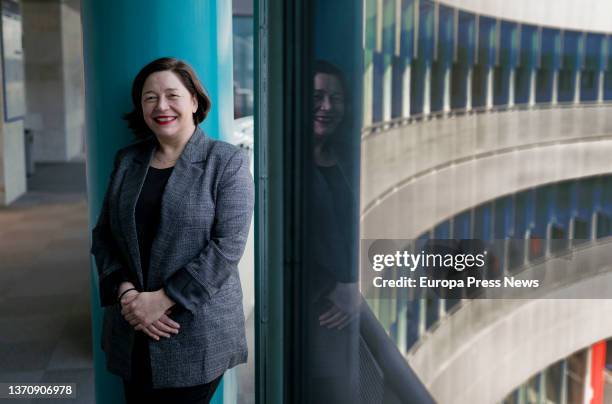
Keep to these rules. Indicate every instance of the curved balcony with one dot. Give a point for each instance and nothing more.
(484, 348)
(425, 171)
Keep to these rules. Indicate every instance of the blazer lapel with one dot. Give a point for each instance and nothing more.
(131, 187)
(187, 172)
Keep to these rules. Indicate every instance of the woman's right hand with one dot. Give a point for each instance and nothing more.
(163, 327)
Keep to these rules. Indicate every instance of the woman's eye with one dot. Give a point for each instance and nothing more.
(173, 96)
(150, 98)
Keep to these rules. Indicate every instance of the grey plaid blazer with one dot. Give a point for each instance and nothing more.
(205, 217)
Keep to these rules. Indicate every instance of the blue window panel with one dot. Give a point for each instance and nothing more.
(444, 56)
(542, 217)
(522, 84)
(462, 225)
(426, 32)
(459, 87)
(466, 38)
(550, 53)
(502, 229)
(417, 87)
(608, 51)
(606, 194)
(561, 203)
(370, 25)
(412, 323)
(572, 50)
(607, 86)
(503, 218)
(594, 51)
(407, 29)
(446, 31)
(483, 219)
(581, 199)
(522, 215)
(597, 193)
(397, 86)
(508, 44)
(438, 72)
(378, 61)
(501, 85)
(589, 85)
(486, 59)
(585, 191)
(566, 85)
(487, 43)
(388, 28)
(529, 55)
(544, 85)
(524, 212)
(604, 217)
(479, 85)
(442, 230)
(432, 309)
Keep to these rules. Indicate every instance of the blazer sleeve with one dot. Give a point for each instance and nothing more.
(111, 271)
(203, 276)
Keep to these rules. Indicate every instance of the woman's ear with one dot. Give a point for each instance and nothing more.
(194, 100)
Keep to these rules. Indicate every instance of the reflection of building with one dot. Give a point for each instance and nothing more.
(489, 121)
(242, 26)
(579, 377)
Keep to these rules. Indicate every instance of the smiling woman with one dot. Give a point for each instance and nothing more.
(174, 321)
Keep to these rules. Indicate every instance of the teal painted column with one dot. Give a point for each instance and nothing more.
(119, 38)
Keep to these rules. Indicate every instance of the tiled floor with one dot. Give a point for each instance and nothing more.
(45, 331)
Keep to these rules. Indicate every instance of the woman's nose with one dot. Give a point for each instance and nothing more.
(162, 104)
(326, 103)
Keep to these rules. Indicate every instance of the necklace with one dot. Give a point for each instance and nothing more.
(164, 161)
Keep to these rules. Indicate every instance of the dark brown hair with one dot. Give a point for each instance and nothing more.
(187, 76)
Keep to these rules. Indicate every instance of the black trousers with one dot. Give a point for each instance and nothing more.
(140, 389)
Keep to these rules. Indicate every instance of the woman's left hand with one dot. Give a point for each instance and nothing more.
(346, 300)
(146, 308)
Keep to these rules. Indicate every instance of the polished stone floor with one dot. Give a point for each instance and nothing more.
(45, 330)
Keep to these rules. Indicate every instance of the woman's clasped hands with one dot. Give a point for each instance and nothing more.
(148, 311)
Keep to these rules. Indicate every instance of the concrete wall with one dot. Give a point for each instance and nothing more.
(74, 94)
(12, 156)
(54, 79)
(592, 15)
(12, 171)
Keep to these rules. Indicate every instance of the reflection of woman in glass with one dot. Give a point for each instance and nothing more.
(341, 327)
(172, 229)
(334, 290)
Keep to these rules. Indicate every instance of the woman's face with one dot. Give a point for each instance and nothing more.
(167, 105)
(328, 105)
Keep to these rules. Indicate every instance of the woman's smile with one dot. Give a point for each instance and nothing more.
(164, 119)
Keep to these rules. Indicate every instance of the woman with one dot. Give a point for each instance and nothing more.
(351, 359)
(172, 229)
(333, 324)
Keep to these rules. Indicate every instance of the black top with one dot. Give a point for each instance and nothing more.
(340, 192)
(334, 217)
(148, 212)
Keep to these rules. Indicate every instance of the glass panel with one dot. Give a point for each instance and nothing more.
(398, 151)
(554, 383)
(575, 374)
